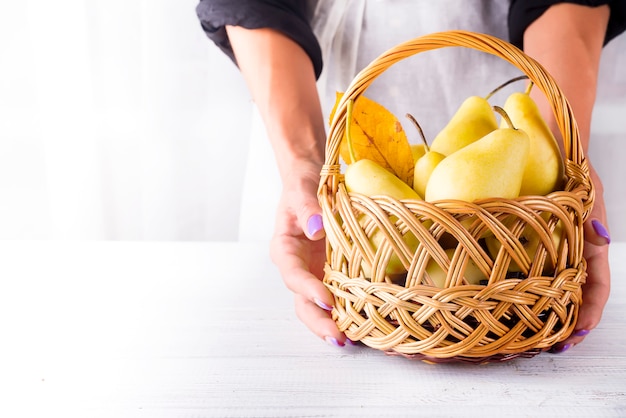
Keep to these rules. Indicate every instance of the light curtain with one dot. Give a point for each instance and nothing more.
(118, 120)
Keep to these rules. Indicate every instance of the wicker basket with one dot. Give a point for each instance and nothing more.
(500, 319)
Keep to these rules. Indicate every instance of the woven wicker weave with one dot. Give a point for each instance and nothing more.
(504, 318)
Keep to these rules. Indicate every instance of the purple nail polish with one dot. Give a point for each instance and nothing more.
(333, 341)
(581, 333)
(562, 349)
(322, 305)
(350, 342)
(314, 224)
(601, 230)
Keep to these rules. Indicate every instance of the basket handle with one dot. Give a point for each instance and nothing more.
(481, 42)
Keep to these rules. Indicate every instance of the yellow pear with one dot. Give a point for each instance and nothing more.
(530, 241)
(417, 151)
(371, 179)
(473, 120)
(544, 170)
(473, 274)
(424, 163)
(493, 166)
(423, 170)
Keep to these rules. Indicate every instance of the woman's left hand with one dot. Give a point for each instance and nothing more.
(596, 289)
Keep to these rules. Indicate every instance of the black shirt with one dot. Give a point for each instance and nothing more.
(292, 18)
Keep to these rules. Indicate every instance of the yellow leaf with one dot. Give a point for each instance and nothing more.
(378, 135)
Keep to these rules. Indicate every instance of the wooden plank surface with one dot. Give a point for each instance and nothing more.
(117, 329)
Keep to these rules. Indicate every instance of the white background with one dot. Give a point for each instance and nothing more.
(120, 120)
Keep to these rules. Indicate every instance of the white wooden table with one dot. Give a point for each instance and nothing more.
(118, 329)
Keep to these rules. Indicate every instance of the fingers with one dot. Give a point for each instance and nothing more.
(596, 228)
(301, 266)
(595, 295)
(297, 260)
(597, 288)
(596, 232)
(319, 321)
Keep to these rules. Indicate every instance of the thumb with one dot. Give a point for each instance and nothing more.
(308, 210)
(313, 223)
(309, 216)
(596, 232)
(595, 228)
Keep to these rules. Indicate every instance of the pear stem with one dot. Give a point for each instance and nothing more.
(505, 116)
(503, 85)
(529, 88)
(349, 131)
(419, 129)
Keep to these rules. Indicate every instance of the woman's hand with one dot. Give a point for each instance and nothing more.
(298, 250)
(596, 289)
(567, 40)
(281, 79)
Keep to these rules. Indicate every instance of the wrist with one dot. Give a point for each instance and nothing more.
(296, 172)
(298, 151)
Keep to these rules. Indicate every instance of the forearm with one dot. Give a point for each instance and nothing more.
(281, 80)
(567, 40)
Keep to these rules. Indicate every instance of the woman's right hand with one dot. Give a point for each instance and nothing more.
(298, 250)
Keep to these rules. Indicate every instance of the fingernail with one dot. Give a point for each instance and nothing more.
(333, 341)
(581, 333)
(601, 230)
(322, 305)
(350, 342)
(314, 224)
(561, 349)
